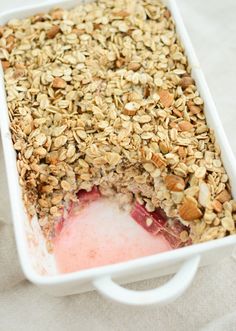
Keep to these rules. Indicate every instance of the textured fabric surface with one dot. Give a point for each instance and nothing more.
(211, 301)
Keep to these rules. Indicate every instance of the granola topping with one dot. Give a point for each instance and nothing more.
(99, 96)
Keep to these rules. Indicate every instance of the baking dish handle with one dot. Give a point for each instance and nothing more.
(161, 295)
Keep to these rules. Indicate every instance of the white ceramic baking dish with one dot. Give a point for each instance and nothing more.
(39, 266)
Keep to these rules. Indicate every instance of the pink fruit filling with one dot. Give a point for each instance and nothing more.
(97, 232)
(158, 223)
(86, 197)
(101, 233)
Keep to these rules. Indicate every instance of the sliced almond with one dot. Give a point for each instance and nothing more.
(177, 112)
(193, 108)
(166, 98)
(185, 126)
(186, 82)
(223, 196)
(53, 32)
(5, 65)
(58, 83)
(189, 210)
(174, 183)
(158, 160)
(131, 108)
(204, 194)
(134, 66)
(217, 206)
(129, 112)
(121, 13)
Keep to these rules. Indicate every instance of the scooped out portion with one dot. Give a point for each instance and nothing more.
(98, 232)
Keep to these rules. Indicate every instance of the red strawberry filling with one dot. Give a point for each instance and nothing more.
(152, 222)
(158, 223)
(87, 197)
(155, 222)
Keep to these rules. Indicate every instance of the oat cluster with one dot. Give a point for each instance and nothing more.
(102, 95)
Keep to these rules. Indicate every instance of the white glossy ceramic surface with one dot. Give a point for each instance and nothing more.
(39, 266)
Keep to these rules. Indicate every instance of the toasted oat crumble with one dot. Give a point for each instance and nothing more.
(103, 95)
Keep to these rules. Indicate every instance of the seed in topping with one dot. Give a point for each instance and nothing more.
(5, 65)
(189, 210)
(58, 83)
(174, 183)
(134, 66)
(217, 206)
(185, 126)
(166, 98)
(158, 160)
(223, 196)
(186, 82)
(53, 32)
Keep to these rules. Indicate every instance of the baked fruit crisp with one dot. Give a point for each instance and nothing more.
(101, 100)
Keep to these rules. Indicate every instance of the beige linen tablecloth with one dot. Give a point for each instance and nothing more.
(210, 303)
